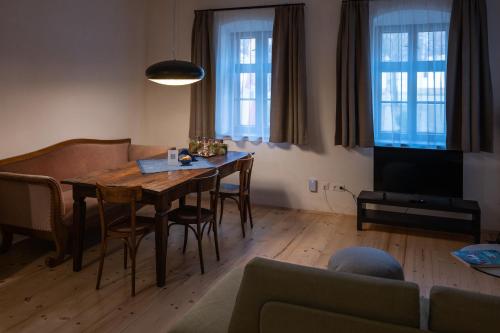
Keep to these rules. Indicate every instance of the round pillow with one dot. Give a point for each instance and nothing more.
(366, 261)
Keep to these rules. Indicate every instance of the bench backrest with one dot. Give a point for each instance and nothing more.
(70, 158)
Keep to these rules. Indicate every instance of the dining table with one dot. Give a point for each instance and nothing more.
(159, 190)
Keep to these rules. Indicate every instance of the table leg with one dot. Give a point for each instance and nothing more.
(359, 218)
(79, 210)
(161, 250)
(476, 220)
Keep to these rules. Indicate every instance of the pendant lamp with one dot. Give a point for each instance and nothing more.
(174, 72)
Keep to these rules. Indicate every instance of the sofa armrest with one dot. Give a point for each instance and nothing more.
(137, 152)
(457, 311)
(30, 201)
(264, 281)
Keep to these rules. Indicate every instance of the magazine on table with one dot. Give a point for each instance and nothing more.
(478, 258)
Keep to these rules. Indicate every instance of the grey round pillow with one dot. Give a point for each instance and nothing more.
(366, 261)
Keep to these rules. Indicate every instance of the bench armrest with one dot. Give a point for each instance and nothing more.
(30, 201)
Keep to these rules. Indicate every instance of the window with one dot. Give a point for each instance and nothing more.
(243, 79)
(408, 76)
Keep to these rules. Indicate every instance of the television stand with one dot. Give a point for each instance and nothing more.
(470, 226)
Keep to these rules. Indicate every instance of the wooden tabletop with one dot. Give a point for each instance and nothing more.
(130, 175)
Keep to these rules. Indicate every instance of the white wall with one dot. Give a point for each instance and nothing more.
(281, 171)
(69, 69)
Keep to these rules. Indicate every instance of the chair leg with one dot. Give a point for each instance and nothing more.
(186, 232)
(101, 263)
(216, 239)
(200, 249)
(6, 240)
(249, 209)
(133, 251)
(125, 256)
(221, 209)
(242, 217)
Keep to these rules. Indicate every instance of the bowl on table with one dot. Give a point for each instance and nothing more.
(185, 159)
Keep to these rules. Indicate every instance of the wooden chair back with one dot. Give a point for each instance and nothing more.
(205, 183)
(245, 166)
(118, 195)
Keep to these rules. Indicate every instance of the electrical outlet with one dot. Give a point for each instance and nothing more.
(326, 186)
(338, 188)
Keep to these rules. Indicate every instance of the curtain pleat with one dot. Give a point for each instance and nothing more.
(469, 99)
(202, 117)
(354, 120)
(288, 118)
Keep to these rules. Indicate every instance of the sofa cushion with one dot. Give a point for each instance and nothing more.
(283, 317)
(366, 261)
(390, 301)
(212, 313)
(459, 311)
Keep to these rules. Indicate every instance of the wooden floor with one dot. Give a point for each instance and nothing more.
(34, 298)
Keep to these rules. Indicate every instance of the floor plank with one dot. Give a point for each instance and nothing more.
(34, 298)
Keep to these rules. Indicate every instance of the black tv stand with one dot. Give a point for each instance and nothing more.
(470, 226)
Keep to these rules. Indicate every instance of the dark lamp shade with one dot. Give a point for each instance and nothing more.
(175, 73)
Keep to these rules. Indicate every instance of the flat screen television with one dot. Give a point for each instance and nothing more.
(418, 171)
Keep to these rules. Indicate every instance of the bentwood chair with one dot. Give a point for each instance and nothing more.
(130, 229)
(240, 193)
(196, 218)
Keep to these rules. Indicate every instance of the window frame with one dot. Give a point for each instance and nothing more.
(412, 67)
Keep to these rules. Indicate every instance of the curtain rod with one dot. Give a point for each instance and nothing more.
(249, 7)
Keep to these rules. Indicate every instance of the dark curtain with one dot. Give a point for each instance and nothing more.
(469, 99)
(288, 88)
(354, 120)
(202, 119)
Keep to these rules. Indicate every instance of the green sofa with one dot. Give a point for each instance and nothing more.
(272, 296)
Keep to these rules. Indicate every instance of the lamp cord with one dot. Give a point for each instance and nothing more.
(174, 28)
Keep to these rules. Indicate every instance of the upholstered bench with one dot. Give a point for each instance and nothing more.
(34, 203)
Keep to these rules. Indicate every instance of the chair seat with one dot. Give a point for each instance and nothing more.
(229, 189)
(143, 225)
(188, 214)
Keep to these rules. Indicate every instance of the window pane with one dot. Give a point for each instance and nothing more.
(395, 47)
(269, 50)
(430, 118)
(247, 85)
(247, 51)
(247, 113)
(430, 86)
(394, 86)
(431, 46)
(394, 117)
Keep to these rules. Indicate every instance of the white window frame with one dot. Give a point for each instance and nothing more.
(261, 100)
(412, 138)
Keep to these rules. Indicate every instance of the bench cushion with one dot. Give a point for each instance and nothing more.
(283, 317)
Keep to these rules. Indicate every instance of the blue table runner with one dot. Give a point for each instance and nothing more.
(161, 165)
